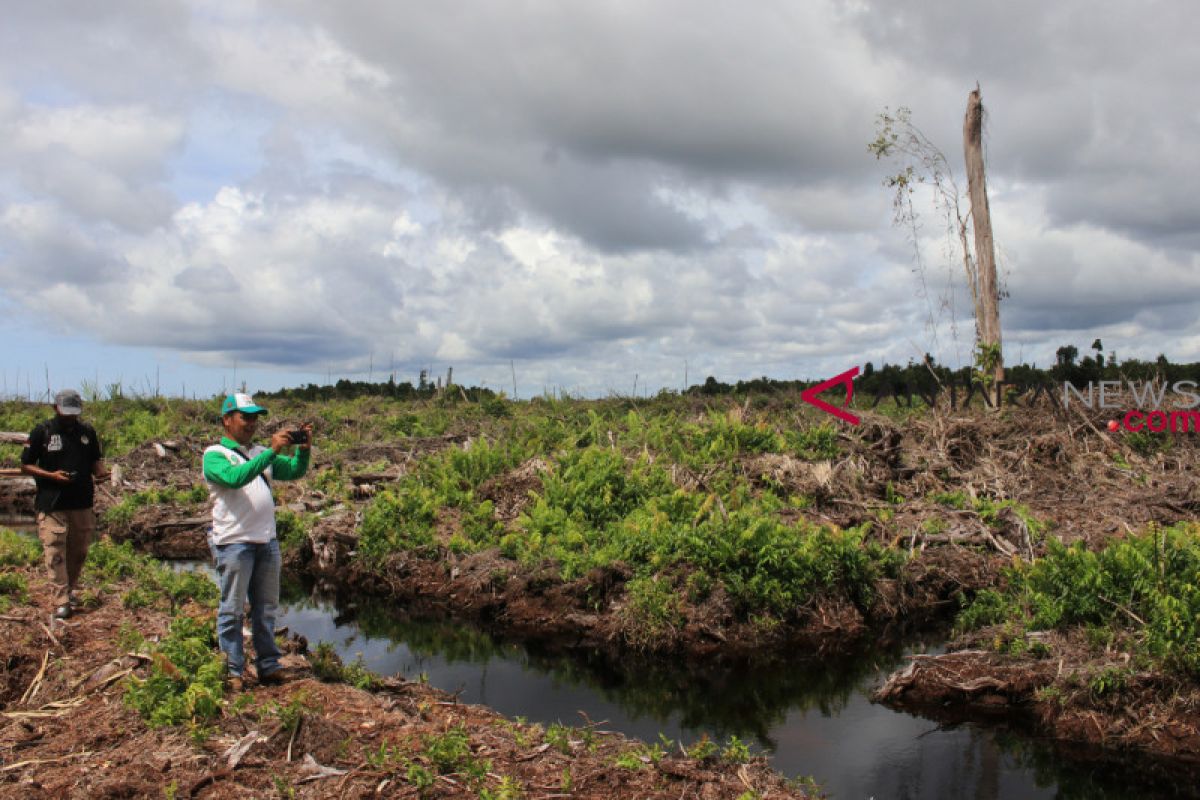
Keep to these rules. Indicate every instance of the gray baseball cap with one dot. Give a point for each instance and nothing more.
(68, 403)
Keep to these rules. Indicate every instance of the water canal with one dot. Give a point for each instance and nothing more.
(812, 715)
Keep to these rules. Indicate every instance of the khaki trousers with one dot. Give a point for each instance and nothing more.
(66, 536)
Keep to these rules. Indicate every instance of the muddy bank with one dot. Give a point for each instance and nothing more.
(66, 733)
(591, 612)
(1089, 703)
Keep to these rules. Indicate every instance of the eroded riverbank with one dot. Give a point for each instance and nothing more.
(812, 715)
(67, 729)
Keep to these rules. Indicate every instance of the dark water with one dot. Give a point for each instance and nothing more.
(812, 716)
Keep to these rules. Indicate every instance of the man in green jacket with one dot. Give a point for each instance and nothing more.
(242, 539)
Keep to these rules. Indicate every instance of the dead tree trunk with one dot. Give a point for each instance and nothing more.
(987, 296)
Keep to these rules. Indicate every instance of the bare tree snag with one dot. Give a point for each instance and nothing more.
(987, 299)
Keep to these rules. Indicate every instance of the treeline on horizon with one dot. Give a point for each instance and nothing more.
(914, 378)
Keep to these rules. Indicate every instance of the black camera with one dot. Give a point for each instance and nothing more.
(298, 436)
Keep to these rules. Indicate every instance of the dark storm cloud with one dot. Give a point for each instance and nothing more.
(207, 278)
(263, 344)
(43, 252)
(613, 207)
(580, 110)
(116, 51)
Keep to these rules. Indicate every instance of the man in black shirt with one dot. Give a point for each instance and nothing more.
(63, 455)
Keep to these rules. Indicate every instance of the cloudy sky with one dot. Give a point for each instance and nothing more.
(197, 194)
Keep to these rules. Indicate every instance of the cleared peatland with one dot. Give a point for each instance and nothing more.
(126, 700)
(725, 528)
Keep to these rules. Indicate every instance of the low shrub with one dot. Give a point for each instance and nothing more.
(1148, 584)
(184, 684)
(18, 550)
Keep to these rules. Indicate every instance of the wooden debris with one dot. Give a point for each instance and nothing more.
(108, 673)
(37, 679)
(292, 740)
(35, 761)
(49, 633)
(317, 771)
(56, 709)
(237, 751)
(371, 477)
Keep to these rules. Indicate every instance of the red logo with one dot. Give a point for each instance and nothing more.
(809, 395)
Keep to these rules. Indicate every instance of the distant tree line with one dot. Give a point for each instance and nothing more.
(927, 377)
(914, 378)
(404, 390)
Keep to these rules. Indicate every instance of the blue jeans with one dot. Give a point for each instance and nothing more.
(247, 571)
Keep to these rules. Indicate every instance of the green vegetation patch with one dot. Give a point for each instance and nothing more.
(291, 528)
(402, 519)
(1147, 585)
(600, 507)
(653, 611)
(725, 436)
(184, 684)
(13, 589)
(19, 416)
(328, 666)
(18, 550)
(153, 583)
(122, 513)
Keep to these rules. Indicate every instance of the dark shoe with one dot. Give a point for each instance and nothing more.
(235, 684)
(62, 612)
(275, 678)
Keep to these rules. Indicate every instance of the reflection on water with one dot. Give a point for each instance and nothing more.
(812, 715)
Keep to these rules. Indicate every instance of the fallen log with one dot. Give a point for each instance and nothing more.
(896, 684)
(12, 437)
(899, 682)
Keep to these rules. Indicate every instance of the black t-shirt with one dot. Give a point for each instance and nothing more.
(54, 446)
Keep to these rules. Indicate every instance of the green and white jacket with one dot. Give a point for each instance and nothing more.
(243, 507)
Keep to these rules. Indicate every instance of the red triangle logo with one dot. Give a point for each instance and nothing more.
(809, 395)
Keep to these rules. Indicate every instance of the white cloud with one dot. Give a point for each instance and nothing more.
(593, 190)
(103, 164)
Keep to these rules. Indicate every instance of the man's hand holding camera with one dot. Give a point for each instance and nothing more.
(302, 437)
